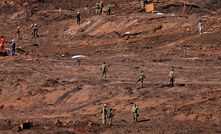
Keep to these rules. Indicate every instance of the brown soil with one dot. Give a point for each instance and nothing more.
(43, 83)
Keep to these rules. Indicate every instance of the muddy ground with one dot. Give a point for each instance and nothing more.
(44, 84)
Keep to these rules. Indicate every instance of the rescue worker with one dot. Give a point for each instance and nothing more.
(13, 47)
(104, 69)
(110, 115)
(142, 4)
(135, 114)
(141, 78)
(2, 46)
(32, 29)
(78, 18)
(104, 114)
(171, 78)
(101, 7)
(97, 9)
(18, 33)
(200, 26)
(108, 9)
(35, 30)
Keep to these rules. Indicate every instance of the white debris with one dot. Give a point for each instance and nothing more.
(160, 13)
(127, 33)
(78, 56)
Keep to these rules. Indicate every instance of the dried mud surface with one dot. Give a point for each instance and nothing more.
(43, 84)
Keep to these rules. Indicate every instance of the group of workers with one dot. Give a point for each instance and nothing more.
(141, 77)
(99, 8)
(99, 11)
(107, 114)
(34, 31)
(12, 43)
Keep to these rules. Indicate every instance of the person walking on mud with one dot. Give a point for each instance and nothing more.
(141, 78)
(134, 111)
(104, 114)
(110, 115)
(101, 5)
(13, 48)
(104, 69)
(108, 9)
(200, 26)
(171, 78)
(18, 33)
(32, 30)
(78, 17)
(97, 9)
(35, 30)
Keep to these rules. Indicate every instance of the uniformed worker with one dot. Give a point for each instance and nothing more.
(200, 26)
(104, 114)
(18, 33)
(141, 78)
(171, 78)
(13, 47)
(135, 114)
(108, 9)
(32, 29)
(104, 69)
(97, 9)
(110, 115)
(78, 17)
(35, 30)
(101, 7)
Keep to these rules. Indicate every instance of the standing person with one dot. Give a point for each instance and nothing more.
(200, 26)
(101, 7)
(110, 115)
(13, 47)
(141, 78)
(78, 18)
(104, 69)
(32, 30)
(142, 4)
(104, 114)
(135, 114)
(171, 78)
(97, 9)
(35, 29)
(108, 9)
(2, 45)
(18, 33)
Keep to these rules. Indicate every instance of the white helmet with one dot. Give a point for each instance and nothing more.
(13, 40)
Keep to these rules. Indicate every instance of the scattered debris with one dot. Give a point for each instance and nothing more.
(25, 125)
(79, 56)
